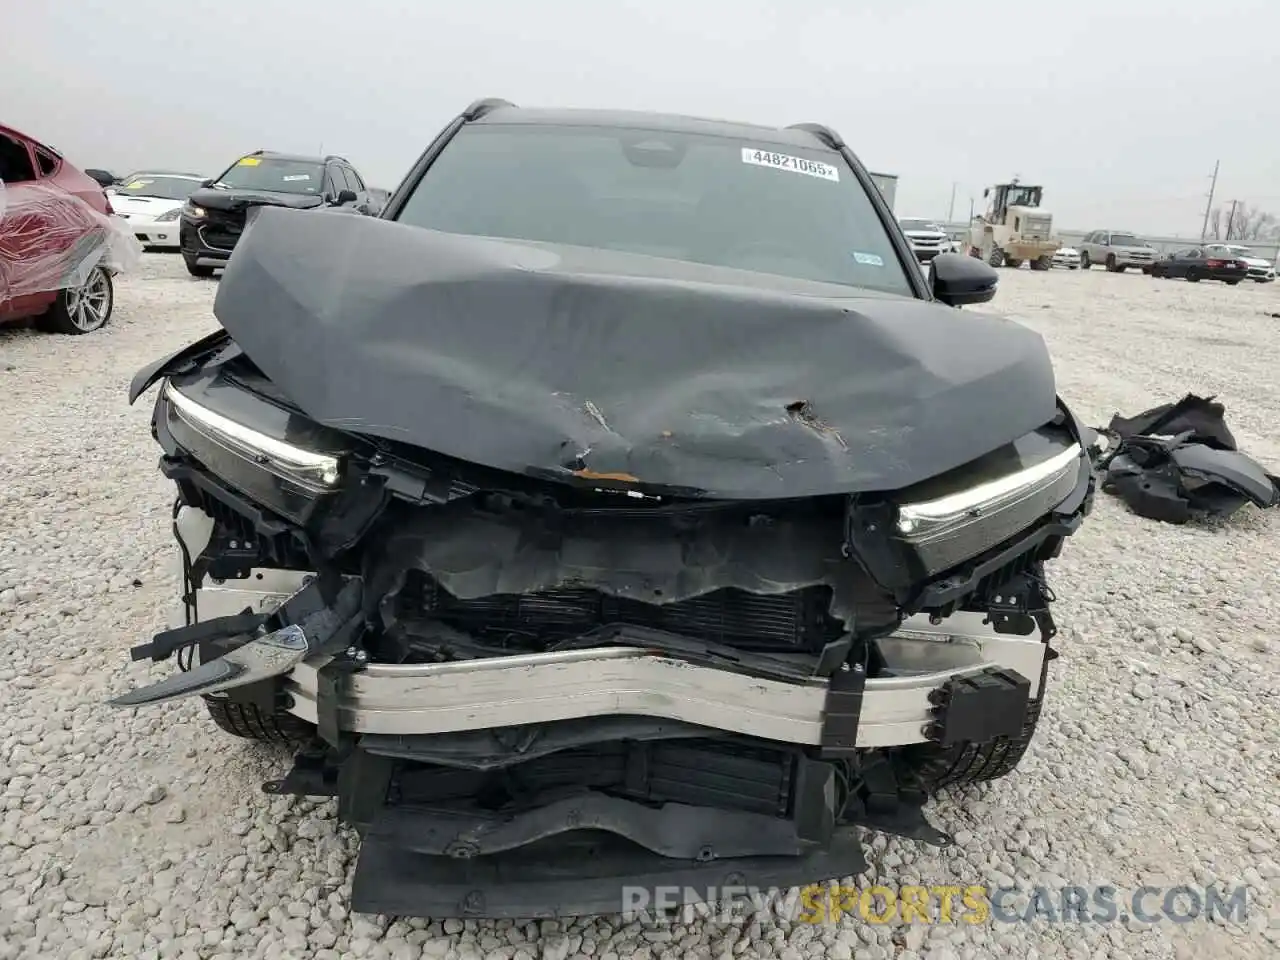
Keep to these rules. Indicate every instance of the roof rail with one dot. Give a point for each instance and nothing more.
(479, 108)
(822, 132)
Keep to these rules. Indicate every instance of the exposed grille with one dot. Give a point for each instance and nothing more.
(221, 229)
(786, 622)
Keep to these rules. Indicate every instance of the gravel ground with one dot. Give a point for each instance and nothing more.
(143, 836)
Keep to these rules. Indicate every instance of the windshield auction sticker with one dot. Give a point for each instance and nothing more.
(781, 161)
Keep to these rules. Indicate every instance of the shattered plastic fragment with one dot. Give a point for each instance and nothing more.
(1179, 460)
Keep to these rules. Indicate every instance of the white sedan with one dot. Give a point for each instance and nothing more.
(1261, 270)
(1068, 257)
(150, 204)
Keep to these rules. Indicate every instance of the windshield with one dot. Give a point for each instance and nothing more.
(793, 211)
(158, 186)
(922, 225)
(1242, 251)
(1023, 197)
(275, 175)
(1126, 240)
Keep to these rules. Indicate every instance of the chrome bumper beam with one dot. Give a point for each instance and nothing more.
(408, 699)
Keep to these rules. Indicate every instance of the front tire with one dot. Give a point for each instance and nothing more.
(246, 721)
(1043, 263)
(996, 258)
(1085, 264)
(83, 309)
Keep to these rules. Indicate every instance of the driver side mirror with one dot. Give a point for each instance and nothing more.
(344, 196)
(958, 280)
(207, 182)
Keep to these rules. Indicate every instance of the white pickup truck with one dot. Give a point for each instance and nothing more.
(1116, 250)
(927, 238)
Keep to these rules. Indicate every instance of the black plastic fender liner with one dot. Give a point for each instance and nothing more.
(594, 876)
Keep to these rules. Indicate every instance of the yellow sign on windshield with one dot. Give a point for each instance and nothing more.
(137, 184)
(249, 162)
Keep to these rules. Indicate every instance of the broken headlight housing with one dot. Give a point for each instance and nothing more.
(283, 462)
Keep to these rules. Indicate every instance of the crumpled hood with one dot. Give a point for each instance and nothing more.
(230, 199)
(568, 362)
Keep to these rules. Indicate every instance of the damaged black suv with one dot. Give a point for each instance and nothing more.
(624, 506)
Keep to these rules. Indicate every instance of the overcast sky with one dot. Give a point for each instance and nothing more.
(1119, 111)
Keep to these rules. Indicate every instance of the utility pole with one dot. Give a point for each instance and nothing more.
(1230, 220)
(951, 207)
(1209, 206)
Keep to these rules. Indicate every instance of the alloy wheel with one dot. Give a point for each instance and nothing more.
(89, 305)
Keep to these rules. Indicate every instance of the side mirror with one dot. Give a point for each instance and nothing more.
(958, 280)
(207, 182)
(344, 196)
(103, 178)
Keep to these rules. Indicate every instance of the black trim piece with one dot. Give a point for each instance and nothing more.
(584, 879)
(677, 831)
(842, 711)
(956, 588)
(164, 643)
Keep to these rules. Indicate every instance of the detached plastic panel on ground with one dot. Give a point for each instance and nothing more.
(51, 240)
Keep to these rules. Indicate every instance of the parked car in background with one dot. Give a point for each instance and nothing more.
(152, 203)
(1211, 262)
(1116, 250)
(59, 245)
(1068, 257)
(1261, 269)
(214, 215)
(927, 238)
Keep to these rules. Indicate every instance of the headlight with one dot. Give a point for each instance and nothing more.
(288, 466)
(189, 209)
(312, 471)
(946, 530)
(170, 215)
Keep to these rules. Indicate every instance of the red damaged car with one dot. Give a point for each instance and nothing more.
(59, 244)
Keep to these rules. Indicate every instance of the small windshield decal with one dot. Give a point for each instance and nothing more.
(288, 178)
(138, 184)
(781, 161)
(249, 162)
(868, 259)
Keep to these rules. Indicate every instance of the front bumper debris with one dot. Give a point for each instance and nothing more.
(627, 672)
(588, 852)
